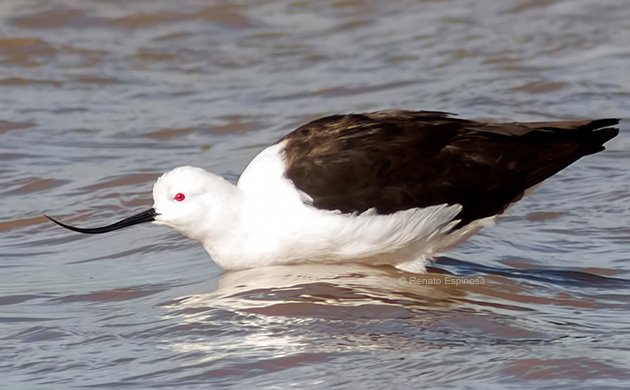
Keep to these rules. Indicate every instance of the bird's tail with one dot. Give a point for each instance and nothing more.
(594, 134)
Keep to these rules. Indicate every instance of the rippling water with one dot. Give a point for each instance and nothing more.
(97, 98)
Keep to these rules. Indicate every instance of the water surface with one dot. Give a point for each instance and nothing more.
(98, 98)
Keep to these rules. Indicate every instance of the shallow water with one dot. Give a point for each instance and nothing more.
(99, 97)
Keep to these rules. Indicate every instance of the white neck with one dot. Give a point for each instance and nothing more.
(220, 213)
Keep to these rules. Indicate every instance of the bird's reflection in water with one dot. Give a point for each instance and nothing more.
(315, 308)
(316, 311)
(332, 291)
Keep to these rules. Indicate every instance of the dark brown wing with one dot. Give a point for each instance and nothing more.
(396, 160)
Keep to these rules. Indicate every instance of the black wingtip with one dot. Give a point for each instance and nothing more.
(606, 134)
(604, 122)
(598, 132)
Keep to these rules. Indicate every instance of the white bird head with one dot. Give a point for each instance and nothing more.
(196, 203)
(193, 201)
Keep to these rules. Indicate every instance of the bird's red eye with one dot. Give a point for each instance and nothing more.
(179, 197)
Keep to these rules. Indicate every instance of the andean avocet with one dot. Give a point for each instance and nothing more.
(389, 187)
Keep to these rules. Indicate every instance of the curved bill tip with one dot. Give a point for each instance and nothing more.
(145, 216)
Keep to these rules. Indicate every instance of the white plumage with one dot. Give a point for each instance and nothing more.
(265, 220)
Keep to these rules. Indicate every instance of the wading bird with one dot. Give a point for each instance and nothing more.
(389, 187)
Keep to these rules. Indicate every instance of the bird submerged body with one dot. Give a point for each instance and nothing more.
(384, 188)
